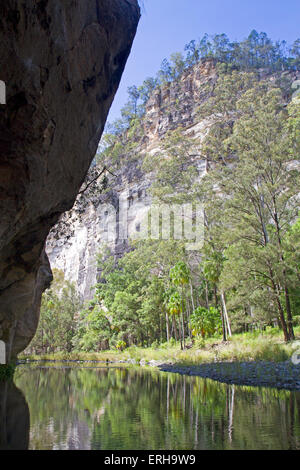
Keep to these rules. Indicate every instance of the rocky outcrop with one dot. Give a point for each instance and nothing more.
(62, 63)
(73, 244)
(94, 223)
(96, 218)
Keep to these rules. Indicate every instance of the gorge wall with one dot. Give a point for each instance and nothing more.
(61, 63)
(95, 220)
(99, 215)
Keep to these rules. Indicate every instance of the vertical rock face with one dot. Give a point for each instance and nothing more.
(94, 221)
(91, 225)
(61, 63)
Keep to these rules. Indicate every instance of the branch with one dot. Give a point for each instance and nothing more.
(95, 179)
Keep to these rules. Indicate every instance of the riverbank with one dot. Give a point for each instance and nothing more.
(247, 347)
(257, 359)
(281, 375)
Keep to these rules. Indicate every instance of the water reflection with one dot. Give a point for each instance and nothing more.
(14, 418)
(119, 408)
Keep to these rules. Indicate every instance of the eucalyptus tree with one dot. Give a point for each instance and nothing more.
(180, 277)
(261, 188)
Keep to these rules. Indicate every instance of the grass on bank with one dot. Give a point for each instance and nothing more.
(254, 346)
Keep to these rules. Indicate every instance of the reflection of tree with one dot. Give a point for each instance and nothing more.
(14, 418)
(231, 411)
(119, 408)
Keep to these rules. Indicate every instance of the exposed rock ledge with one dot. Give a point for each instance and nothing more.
(281, 375)
(62, 63)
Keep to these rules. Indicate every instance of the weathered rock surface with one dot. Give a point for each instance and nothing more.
(94, 221)
(74, 242)
(62, 63)
(92, 224)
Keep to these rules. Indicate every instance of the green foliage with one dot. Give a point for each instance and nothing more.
(175, 175)
(174, 304)
(130, 301)
(250, 262)
(180, 274)
(261, 203)
(144, 409)
(120, 345)
(257, 51)
(250, 189)
(59, 308)
(7, 371)
(93, 330)
(205, 322)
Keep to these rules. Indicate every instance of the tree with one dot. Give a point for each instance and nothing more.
(93, 332)
(165, 73)
(59, 309)
(261, 189)
(205, 47)
(174, 307)
(193, 55)
(205, 322)
(145, 91)
(134, 289)
(178, 65)
(221, 47)
(295, 53)
(180, 277)
(130, 110)
(212, 267)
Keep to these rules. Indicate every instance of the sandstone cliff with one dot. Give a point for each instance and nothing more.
(73, 244)
(94, 221)
(62, 63)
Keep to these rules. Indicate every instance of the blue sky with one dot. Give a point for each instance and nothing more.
(167, 25)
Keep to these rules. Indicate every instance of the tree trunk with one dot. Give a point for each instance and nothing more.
(174, 327)
(281, 316)
(286, 291)
(206, 295)
(282, 320)
(180, 333)
(216, 296)
(192, 295)
(189, 318)
(280, 309)
(223, 326)
(167, 327)
(225, 313)
(289, 313)
(182, 317)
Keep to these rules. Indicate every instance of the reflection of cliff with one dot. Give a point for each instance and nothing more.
(14, 418)
(119, 408)
(78, 437)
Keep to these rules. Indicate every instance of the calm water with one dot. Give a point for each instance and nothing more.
(119, 408)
